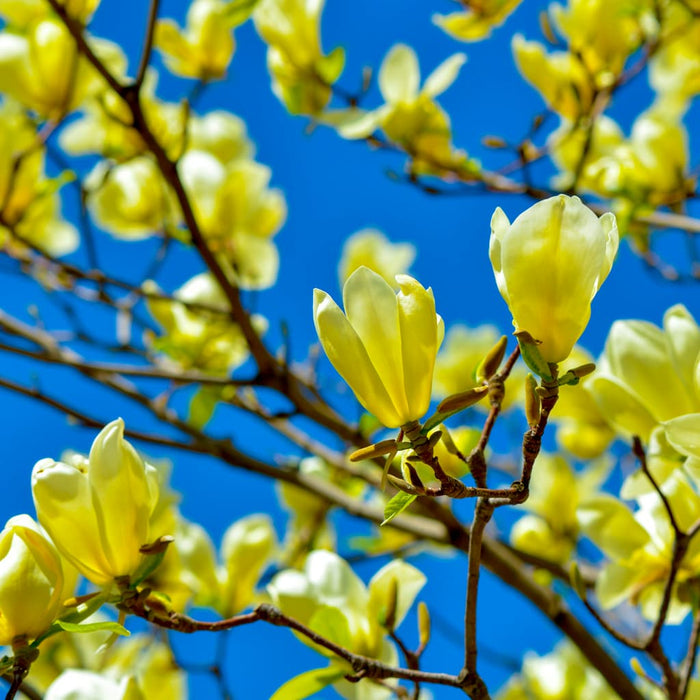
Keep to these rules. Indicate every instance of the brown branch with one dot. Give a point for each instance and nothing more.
(150, 372)
(482, 514)
(153, 611)
(688, 666)
(640, 454)
(147, 44)
(442, 528)
(28, 690)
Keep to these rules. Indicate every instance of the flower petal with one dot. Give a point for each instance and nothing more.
(347, 354)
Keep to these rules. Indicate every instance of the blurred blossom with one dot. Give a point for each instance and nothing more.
(371, 248)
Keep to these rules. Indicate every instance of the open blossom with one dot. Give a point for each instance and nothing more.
(549, 264)
(649, 376)
(330, 598)
(384, 345)
(97, 510)
(203, 49)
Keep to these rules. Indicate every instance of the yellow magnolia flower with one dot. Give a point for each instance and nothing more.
(650, 166)
(476, 22)
(238, 214)
(603, 33)
(550, 529)
(410, 116)
(31, 581)
(385, 347)
(151, 664)
(603, 164)
(647, 375)
(301, 73)
(197, 338)
(204, 48)
(563, 674)
(549, 264)
(373, 249)
(639, 546)
(77, 683)
(221, 134)
(559, 77)
(21, 13)
(105, 128)
(582, 429)
(29, 200)
(131, 200)
(246, 548)
(329, 597)
(41, 67)
(674, 70)
(97, 510)
(658, 160)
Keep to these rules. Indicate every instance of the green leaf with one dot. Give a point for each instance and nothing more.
(307, 684)
(202, 406)
(398, 503)
(113, 627)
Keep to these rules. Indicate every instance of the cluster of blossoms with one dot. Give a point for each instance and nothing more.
(549, 263)
(101, 516)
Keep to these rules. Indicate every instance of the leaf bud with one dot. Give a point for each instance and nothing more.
(533, 403)
(492, 361)
(458, 402)
(376, 450)
(423, 624)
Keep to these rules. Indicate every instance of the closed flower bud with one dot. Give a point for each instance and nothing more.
(549, 264)
(385, 346)
(31, 580)
(97, 510)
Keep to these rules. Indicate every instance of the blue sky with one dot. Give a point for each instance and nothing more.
(333, 188)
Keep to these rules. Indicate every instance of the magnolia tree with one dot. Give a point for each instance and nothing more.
(435, 430)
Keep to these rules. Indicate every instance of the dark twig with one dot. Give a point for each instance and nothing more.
(147, 44)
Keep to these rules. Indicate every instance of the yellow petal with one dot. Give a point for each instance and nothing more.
(349, 357)
(373, 311)
(419, 342)
(399, 75)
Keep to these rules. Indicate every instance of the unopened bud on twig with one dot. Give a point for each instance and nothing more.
(458, 402)
(379, 449)
(573, 376)
(492, 361)
(533, 404)
(423, 624)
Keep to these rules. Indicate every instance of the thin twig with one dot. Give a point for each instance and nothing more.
(147, 44)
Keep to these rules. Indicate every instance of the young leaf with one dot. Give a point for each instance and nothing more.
(202, 406)
(109, 626)
(398, 503)
(309, 683)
